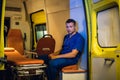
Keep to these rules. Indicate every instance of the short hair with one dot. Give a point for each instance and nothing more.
(71, 20)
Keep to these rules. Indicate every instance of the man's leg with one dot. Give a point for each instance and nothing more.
(45, 58)
(46, 61)
(56, 65)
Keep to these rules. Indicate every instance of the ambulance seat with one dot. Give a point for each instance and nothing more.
(45, 46)
(73, 72)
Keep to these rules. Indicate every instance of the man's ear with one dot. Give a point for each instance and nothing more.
(76, 26)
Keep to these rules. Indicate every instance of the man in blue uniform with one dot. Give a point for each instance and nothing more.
(70, 53)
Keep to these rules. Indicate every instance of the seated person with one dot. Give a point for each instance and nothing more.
(70, 53)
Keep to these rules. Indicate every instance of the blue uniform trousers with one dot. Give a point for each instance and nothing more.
(55, 65)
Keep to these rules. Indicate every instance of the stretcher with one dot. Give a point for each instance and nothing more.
(22, 66)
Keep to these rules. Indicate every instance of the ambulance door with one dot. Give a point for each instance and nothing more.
(38, 26)
(104, 30)
(2, 12)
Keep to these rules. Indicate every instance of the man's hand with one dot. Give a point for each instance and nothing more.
(53, 56)
(71, 54)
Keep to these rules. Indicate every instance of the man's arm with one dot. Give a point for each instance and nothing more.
(71, 54)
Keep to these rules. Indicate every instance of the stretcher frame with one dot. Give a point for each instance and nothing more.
(21, 66)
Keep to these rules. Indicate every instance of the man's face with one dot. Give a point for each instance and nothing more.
(70, 27)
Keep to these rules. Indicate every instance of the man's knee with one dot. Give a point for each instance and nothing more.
(53, 63)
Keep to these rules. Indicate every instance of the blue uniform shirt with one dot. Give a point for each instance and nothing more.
(74, 42)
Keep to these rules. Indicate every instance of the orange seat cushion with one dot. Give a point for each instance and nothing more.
(15, 58)
(72, 69)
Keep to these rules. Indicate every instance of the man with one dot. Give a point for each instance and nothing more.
(70, 53)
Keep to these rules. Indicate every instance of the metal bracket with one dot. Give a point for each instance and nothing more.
(3, 60)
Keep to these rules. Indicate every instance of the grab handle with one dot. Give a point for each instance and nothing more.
(47, 35)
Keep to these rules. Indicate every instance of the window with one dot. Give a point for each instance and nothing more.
(108, 27)
(40, 30)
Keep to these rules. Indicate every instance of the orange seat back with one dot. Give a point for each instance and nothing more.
(45, 45)
(15, 40)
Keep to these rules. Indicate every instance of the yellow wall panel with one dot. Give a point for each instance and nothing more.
(39, 17)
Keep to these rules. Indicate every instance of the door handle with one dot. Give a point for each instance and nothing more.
(108, 62)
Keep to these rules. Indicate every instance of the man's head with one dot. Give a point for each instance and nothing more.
(70, 26)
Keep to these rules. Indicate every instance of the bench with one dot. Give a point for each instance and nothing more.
(72, 72)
